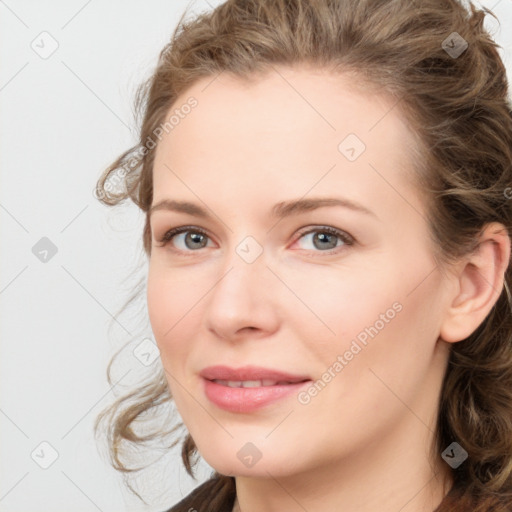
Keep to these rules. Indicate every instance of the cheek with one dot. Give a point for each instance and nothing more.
(337, 304)
(160, 303)
(377, 318)
(391, 345)
(177, 299)
(385, 362)
(173, 304)
(174, 309)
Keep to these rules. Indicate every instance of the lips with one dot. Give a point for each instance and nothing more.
(250, 374)
(248, 389)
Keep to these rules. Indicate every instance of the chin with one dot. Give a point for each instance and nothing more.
(240, 465)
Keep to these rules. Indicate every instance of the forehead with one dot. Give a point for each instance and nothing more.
(288, 130)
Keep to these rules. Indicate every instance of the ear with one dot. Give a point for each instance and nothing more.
(479, 281)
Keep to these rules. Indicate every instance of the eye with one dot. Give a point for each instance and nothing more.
(319, 239)
(185, 238)
(324, 239)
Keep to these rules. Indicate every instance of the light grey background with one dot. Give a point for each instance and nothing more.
(65, 117)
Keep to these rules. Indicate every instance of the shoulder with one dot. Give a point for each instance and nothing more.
(215, 495)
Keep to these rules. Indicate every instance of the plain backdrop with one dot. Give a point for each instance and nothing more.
(69, 71)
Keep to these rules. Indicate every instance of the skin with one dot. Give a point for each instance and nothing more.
(364, 441)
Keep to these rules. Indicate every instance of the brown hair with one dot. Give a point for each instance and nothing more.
(457, 107)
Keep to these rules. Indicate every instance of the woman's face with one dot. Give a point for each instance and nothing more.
(306, 252)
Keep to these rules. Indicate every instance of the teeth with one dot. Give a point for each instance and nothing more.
(249, 383)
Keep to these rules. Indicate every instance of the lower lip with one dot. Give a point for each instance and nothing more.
(248, 399)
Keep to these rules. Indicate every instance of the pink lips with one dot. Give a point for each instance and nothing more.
(239, 399)
(249, 373)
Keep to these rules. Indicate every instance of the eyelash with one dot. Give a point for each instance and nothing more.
(347, 239)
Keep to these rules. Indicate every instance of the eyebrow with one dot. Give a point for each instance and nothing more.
(279, 210)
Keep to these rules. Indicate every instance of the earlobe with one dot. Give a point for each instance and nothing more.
(479, 283)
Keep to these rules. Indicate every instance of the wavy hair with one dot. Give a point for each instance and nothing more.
(459, 111)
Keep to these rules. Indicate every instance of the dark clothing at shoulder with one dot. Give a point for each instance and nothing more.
(215, 495)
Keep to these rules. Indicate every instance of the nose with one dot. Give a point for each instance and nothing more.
(243, 302)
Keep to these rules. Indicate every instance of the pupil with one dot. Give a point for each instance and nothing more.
(325, 237)
(195, 238)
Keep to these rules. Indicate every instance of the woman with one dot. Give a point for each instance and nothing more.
(326, 188)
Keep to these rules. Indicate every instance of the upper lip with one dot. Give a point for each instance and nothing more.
(249, 373)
